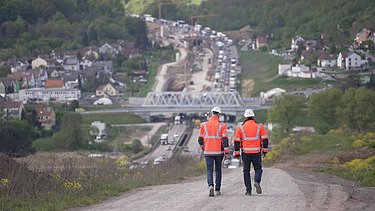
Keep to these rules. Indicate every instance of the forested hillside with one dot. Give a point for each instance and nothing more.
(33, 27)
(339, 19)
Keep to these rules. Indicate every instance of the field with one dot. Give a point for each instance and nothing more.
(262, 68)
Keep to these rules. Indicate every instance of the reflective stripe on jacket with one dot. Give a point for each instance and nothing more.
(250, 135)
(212, 133)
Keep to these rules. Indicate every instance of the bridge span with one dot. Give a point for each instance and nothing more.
(187, 102)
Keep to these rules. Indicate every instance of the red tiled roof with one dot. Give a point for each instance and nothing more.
(262, 39)
(54, 83)
(43, 112)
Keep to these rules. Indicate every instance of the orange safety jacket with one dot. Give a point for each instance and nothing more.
(213, 137)
(250, 136)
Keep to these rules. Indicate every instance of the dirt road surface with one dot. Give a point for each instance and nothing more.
(281, 191)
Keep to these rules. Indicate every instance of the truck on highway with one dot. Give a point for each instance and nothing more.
(164, 139)
(177, 120)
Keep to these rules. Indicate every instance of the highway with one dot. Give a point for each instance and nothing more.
(161, 149)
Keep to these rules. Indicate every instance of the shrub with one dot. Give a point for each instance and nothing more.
(359, 170)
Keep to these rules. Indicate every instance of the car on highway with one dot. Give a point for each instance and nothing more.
(157, 161)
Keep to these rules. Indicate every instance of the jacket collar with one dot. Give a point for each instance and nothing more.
(214, 118)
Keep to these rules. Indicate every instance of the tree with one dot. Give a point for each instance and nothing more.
(136, 146)
(93, 36)
(73, 105)
(16, 137)
(71, 136)
(357, 110)
(138, 29)
(322, 109)
(287, 109)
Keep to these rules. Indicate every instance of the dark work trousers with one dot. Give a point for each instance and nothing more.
(256, 159)
(210, 162)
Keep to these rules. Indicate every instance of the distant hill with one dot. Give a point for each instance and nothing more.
(35, 27)
(339, 20)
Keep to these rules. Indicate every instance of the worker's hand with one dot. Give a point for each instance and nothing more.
(237, 155)
(264, 153)
(226, 156)
(202, 147)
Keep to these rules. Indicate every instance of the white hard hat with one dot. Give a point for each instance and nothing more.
(216, 109)
(249, 113)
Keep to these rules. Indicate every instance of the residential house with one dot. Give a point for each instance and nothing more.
(108, 89)
(19, 66)
(103, 67)
(38, 62)
(108, 49)
(85, 64)
(71, 64)
(91, 55)
(297, 42)
(100, 91)
(71, 79)
(350, 61)
(327, 60)
(53, 73)
(89, 74)
(31, 78)
(261, 41)
(46, 117)
(7, 86)
(11, 110)
(362, 36)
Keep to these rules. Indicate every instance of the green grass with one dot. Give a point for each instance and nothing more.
(295, 145)
(113, 118)
(263, 69)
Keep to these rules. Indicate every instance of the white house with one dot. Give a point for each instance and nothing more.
(108, 49)
(350, 61)
(38, 62)
(46, 94)
(296, 41)
(328, 61)
(86, 63)
(71, 64)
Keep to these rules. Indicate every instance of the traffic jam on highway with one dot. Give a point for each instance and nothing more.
(225, 78)
(226, 60)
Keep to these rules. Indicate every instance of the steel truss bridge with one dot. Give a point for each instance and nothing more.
(192, 99)
(175, 102)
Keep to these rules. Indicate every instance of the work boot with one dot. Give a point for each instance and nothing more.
(258, 188)
(217, 193)
(248, 193)
(211, 191)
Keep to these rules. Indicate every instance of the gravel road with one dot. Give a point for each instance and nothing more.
(281, 191)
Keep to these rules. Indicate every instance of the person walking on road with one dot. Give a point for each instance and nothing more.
(251, 139)
(213, 140)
